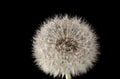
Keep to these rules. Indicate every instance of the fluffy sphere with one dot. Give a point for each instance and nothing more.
(64, 45)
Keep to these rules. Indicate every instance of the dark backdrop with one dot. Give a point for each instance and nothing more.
(23, 18)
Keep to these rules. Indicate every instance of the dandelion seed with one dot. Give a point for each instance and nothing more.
(65, 46)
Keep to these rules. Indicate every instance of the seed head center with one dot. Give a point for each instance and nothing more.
(66, 45)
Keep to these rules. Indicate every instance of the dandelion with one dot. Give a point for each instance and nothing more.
(65, 46)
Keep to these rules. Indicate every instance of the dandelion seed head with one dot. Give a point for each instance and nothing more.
(64, 45)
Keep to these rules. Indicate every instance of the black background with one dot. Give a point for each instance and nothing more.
(23, 18)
